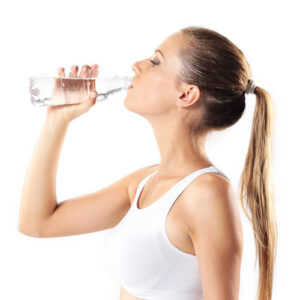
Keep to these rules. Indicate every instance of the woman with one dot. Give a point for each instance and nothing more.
(170, 224)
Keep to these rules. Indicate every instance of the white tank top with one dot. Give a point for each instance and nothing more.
(141, 257)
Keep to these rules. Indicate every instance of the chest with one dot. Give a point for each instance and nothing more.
(175, 226)
(141, 244)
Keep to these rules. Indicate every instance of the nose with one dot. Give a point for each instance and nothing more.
(135, 68)
(138, 66)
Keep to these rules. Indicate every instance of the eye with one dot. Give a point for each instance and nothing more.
(156, 63)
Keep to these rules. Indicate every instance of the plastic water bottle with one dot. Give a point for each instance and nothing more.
(56, 90)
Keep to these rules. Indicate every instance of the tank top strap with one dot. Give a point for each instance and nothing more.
(180, 186)
(173, 193)
(140, 187)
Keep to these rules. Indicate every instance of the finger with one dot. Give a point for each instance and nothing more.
(84, 71)
(61, 72)
(73, 72)
(94, 71)
(90, 99)
(93, 97)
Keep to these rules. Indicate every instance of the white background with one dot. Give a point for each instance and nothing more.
(109, 141)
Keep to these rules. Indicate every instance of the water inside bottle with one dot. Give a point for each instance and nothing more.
(53, 90)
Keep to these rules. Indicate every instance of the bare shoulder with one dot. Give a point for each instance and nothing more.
(214, 227)
(138, 176)
(210, 201)
(210, 186)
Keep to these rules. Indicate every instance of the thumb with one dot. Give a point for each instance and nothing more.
(92, 96)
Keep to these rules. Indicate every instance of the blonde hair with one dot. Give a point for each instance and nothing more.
(220, 69)
(257, 184)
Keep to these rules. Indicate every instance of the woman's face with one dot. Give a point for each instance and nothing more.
(154, 89)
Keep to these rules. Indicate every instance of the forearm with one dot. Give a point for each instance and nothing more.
(39, 190)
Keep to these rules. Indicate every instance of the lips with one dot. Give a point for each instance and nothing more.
(130, 87)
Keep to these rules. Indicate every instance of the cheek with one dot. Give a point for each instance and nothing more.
(155, 97)
(158, 99)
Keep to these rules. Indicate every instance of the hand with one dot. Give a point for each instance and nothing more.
(72, 89)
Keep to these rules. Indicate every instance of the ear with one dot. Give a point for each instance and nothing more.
(188, 95)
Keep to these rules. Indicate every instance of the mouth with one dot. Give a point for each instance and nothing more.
(130, 87)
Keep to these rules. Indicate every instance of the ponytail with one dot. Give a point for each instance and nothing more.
(256, 186)
(220, 69)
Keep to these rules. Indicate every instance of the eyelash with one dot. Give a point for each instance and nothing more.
(155, 63)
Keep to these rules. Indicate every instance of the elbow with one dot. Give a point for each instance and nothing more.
(29, 232)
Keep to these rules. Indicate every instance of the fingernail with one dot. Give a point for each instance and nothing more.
(93, 94)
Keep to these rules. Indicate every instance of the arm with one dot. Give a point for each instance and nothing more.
(215, 229)
(41, 216)
(39, 191)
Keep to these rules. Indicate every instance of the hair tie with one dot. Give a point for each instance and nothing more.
(250, 87)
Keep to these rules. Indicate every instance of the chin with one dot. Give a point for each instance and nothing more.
(143, 106)
(133, 106)
(127, 103)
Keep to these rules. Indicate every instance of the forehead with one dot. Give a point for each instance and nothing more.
(171, 45)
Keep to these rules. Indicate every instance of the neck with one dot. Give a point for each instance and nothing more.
(178, 150)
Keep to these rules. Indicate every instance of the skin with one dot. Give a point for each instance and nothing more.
(66, 113)
(205, 218)
(168, 109)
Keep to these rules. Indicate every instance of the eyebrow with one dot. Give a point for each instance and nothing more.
(157, 50)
